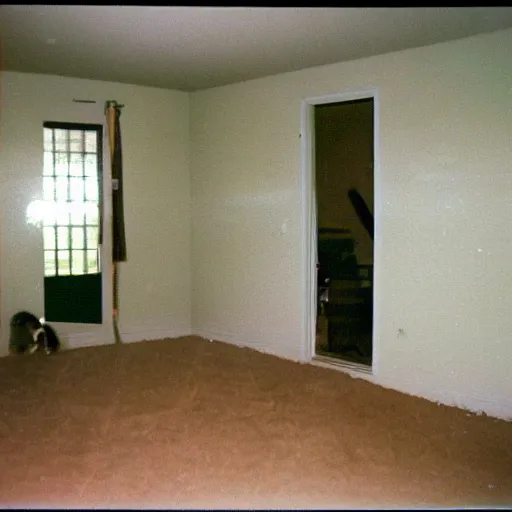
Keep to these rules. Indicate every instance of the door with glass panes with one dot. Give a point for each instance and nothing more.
(72, 178)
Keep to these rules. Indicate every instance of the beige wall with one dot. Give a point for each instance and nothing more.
(344, 160)
(443, 271)
(155, 281)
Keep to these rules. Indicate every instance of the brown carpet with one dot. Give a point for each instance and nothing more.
(188, 423)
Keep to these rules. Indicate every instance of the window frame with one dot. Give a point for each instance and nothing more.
(83, 127)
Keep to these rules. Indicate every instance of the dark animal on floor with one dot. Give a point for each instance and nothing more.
(28, 334)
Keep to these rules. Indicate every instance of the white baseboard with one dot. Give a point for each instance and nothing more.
(158, 334)
(81, 340)
(70, 341)
(269, 348)
(500, 408)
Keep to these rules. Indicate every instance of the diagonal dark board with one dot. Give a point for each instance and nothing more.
(362, 210)
(73, 299)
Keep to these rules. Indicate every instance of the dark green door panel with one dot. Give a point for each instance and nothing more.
(73, 299)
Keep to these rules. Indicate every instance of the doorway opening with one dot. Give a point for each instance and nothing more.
(343, 205)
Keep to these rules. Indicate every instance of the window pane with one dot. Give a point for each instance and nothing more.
(63, 238)
(78, 262)
(76, 186)
(91, 214)
(49, 263)
(49, 238)
(48, 139)
(61, 164)
(77, 213)
(48, 189)
(49, 214)
(76, 164)
(62, 189)
(90, 142)
(63, 258)
(77, 238)
(76, 142)
(48, 164)
(91, 165)
(92, 261)
(70, 188)
(62, 216)
(61, 140)
(92, 238)
(91, 189)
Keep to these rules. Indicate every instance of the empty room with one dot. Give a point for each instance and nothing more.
(255, 257)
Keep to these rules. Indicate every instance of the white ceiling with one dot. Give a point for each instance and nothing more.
(191, 48)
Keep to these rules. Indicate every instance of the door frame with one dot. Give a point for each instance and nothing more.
(75, 335)
(99, 129)
(310, 224)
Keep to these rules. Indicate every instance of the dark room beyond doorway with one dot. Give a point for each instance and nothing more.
(344, 180)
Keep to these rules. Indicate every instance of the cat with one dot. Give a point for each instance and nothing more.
(29, 334)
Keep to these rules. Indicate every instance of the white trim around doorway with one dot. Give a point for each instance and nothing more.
(309, 223)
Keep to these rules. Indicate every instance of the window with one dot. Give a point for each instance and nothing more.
(71, 191)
